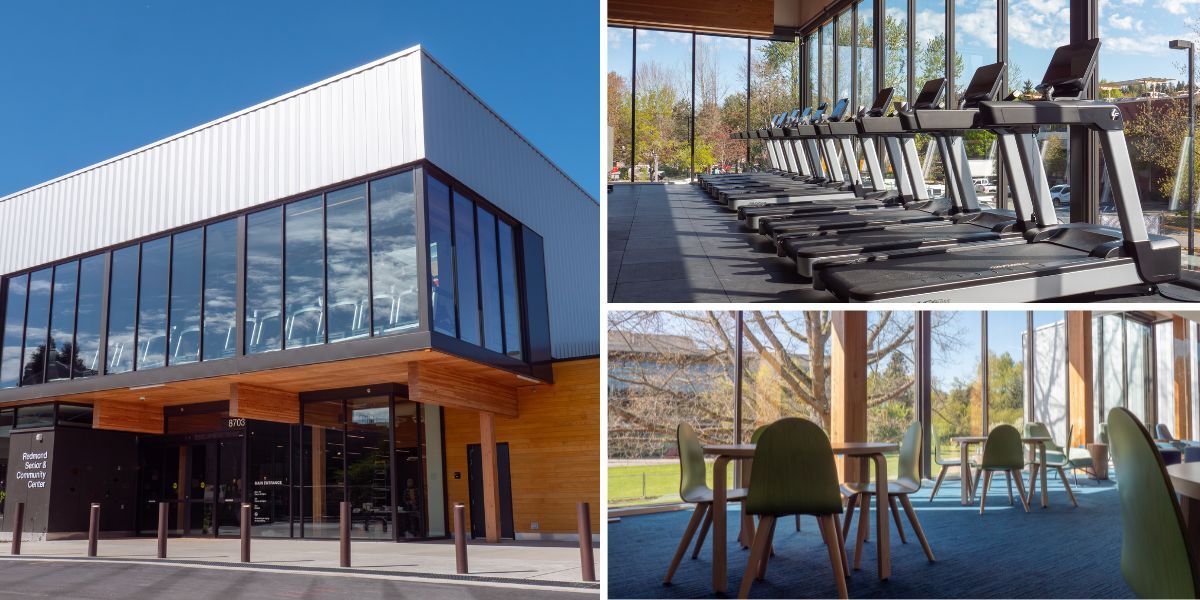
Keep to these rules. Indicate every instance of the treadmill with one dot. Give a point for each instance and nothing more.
(917, 211)
(1049, 261)
(974, 226)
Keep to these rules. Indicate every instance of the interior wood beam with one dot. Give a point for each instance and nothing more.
(491, 476)
(848, 382)
(137, 417)
(741, 17)
(1080, 377)
(435, 384)
(1183, 388)
(263, 403)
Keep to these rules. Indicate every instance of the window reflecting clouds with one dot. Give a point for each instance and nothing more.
(394, 253)
(347, 253)
(62, 322)
(187, 267)
(87, 319)
(264, 281)
(152, 304)
(304, 279)
(37, 316)
(220, 290)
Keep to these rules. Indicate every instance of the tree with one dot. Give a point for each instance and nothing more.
(620, 110)
(1155, 137)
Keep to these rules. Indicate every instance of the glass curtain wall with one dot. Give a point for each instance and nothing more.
(785, 368)
(620, 103)
(1006, 352)
(844, 47)
(828, 87)
(864, 60)
(975, 38)
(955, 391)
(891, 376)
(1164, 375)
(719, 89)
(774, 86)
(662, 105)
(1050, 372)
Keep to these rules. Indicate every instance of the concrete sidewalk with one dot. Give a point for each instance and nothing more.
(534, 563)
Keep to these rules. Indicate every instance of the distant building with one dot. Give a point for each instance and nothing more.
(1151, 84)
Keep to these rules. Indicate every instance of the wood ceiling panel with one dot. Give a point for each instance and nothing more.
(742, 17)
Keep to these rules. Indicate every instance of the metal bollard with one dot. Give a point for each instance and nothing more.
(93, 528)
(586, 561)
(245, 532)
(162, 529)
(344, 536)
(460, 538)
(18, 523)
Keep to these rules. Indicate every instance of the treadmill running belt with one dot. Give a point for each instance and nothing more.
(885, 239)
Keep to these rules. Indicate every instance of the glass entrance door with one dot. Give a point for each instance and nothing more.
(215, 487)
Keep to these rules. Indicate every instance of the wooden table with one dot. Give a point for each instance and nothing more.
(964, 443)
(1186, 479)
(725, 453)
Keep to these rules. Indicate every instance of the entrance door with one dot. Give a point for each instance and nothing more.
(475, 486)
(214, 493)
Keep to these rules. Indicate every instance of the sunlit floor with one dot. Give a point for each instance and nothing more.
(1055, 552)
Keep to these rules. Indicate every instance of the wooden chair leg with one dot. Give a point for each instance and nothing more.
(762, 564)
(1008, 479)
(1021, 489)
(916, 525)
(864, 522)
(850, 505)
(703, 532)
(1033, 473)
(987, 482)
(896, 517)
(797, 523)
(835, 555)
(841, 540)
(938, 484)
(697, 516)
(1070, 493)
(758, 552)
(978, 476)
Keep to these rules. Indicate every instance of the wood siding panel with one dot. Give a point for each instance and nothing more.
(127, 416)
(745, 17)
(554, 450)
(1080, 377)
(263, 404)
(451, 387)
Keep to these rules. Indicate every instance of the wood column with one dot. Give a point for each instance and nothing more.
(1181, 352)
(1080, 379)
(491, 476)
(848, 386)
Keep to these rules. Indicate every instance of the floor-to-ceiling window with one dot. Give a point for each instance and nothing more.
(1108, 354)
(955, 391)
(662, 105)
(929, 62)
(895, 48)
(720, 99)
(620, 103)
(774, 86)
(827, 91)
(812, 70)
(891, 375)
(1164, 374)
(1006, 389)
(844, 47)
(1050, 372)
(975, 37)
(864, 74)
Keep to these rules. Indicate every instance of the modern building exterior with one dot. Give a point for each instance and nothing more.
(370, 290)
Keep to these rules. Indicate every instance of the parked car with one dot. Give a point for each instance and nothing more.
(1061, 194)
(984, 186)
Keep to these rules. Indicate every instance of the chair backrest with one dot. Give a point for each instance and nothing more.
(1161, 432)
(757, 433)
(910, 452)
(794, 472)
(1038, 429)
(692, 482)
(1003, 448)
(1156, 558)
(1104, 433)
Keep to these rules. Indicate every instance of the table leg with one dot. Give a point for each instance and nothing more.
(746, 532)
(719, 532)
(1191, 516)
(964, 476)
(1042, 462)
(881, 515)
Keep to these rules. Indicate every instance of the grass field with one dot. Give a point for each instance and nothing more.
(634, 485)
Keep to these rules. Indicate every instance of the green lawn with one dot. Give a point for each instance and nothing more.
(636, 485)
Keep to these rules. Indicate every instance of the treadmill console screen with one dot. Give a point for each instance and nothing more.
(880, 105)
(985, 85)
(931, 94)
(1070, 69)
(816, 115)
(804, 115)
(839, 109)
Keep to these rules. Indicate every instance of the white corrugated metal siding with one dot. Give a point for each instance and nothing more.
(469, 141)
(349, 125)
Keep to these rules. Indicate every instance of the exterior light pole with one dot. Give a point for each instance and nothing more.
(1191, 100)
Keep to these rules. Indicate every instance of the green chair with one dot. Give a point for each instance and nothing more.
(1002, 453)
(908, 481)
(794, 474)
(1156, 556)
(1058, 458)
(946, 464)
(693, 488)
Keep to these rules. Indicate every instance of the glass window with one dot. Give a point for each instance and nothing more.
(304, 268)
(1137, 368)
(664, 68)
(465, 269)
(348, 255)
(441, 257)
(1050, 372)
(1035, 29)
(955, 391)
(325, 467)
(1108, 353)
(895, 48)
(1006, 334)
(866, 54)
(394, 253)
(774, 87)
(86, 361)
(891, 375)
(187, 272)
(38, 415)
(14, 331)
(489, 281)
(1164, 376)
(369, 487)
(432, 446)
(75, 414)
(930, 46)
(220, 289)
(814, 69)
(825, 94)
(37, 315)
(974, 41)
(512, 300)
(264, 280)
(152, 303)
(61, 348)
(122, 309)
(620, 102)
(844, 34)
(720, 96)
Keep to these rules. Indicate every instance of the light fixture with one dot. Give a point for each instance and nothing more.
(147, 387)
(528, 378)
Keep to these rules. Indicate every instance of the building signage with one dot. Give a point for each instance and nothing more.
(235, 423)
(33, 468)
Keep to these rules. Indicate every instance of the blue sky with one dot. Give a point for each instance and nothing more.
(85, 80)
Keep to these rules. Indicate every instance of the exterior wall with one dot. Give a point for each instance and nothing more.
(554, 450)
(352, 124)
(470, 142)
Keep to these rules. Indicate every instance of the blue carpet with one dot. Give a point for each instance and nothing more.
(1055, 552)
